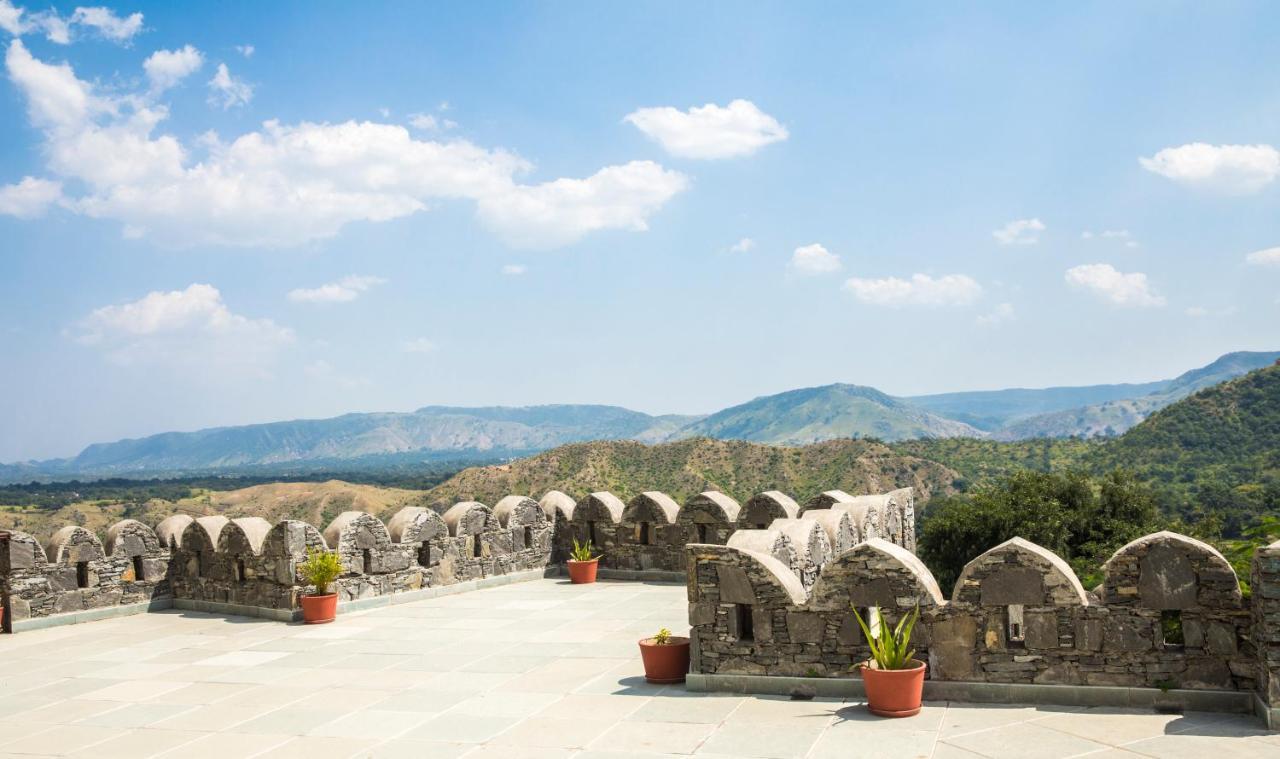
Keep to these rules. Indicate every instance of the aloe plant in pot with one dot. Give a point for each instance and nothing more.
(666, 657)
(582, 565)
(893, 677)
(320, 569)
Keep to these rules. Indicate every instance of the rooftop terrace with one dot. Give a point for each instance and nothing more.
(534, 669)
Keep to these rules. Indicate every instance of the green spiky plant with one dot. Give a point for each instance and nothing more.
(662, 638)
(583, 551)
(320, 569)
(890, 649)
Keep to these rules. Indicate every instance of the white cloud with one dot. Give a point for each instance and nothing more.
(920, 290)
(165, 68)
(245, 50)
(424, 121)
(226, 91)
(418, 345)
(1119, 288)
(711, 131)
(514, 270)
(742, 246)
(344, 290)
(1266, 257)
(289, 184)
(1003, 312)
(1227, 168)
(1019, 232)
(191, 325)
(17, 21)
(561, 211)
(814, 259)
(106, 23)
(29, 198)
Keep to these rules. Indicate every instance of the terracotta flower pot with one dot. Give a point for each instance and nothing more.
(665, 664)
(582, 572)
(317, 610)
(894, 692)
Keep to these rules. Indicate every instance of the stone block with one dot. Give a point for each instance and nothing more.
(1089, 635)
(805, 627)
(1207, 673)
(1013, 585)
(850, 633)
(701, 614)
(1123, 634)
(878, 592)
(1041, 629)
(22, 555)
(1221, 639)
(1166, 579)
(1192, 633)
(951, 654)
(735, 586)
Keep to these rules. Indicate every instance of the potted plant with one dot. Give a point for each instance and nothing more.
(320, 569)
(893, 678)
(665, 656)
(582, 565)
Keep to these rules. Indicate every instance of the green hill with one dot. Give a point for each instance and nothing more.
(812, 414)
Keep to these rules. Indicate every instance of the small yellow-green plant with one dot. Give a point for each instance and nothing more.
(320, 569)
(890, 648)
(583, 551)
(662, 638)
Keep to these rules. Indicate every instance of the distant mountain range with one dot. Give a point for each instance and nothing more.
(796, 417)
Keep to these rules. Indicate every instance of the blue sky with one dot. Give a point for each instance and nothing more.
(247, 212)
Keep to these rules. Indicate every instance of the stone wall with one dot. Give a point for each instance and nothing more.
(1170, 612)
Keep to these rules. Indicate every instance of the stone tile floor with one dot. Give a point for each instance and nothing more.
(538, 669)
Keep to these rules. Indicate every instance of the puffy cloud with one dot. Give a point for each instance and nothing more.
(742, 246)
(1002, 313)
(920, 290)
(245, 50)
(29, 198)
(711, 131)
(561, 211)
(289, 184)
(1228, 168)
(1266, 257)
(814, 259)
(227, 91)
(165, 68)
(418, 345)
(344, 290)
(186, 326)
(107, 24)
(1121, 289)
(1019, 232)
(514, 270)
(424, 121)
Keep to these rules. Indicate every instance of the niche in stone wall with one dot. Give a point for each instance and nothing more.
(139, 569)
(477, 547)
(742, 623)
(82, 574)
(1171, 637)
(644, 535)
(528, 538)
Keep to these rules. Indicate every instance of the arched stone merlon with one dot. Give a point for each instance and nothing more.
(469, 518)
(1166, 570)
(651, 506)
(414, 524)
(555, 501)
(72, 545)
(243, 536)
(714, 506)
(763, 508)
(212, 526)
(904, 501)
(768, 543)
(363, 544)
(740, 576)
(876, 515)
(826, 500)
(201, 535)
(129, 537)
(1019, 572)
(600, 506)
(519, 511)
(813, 547)
(292, 539)
(170, 530)
(875, 573)
(864, 517)
(838, 525)
(25, 552)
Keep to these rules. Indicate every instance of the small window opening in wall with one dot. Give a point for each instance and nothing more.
(424, 554)
(476, 546)
(82, 574)
(199, 563)
(642, 534)
(366, 559)
(874, 619)
(1017, 632)
(528, 537)
(1171, 628)
(139, 569)
(590, 537)
(702, 533)
(745, 622)
(239, 569)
